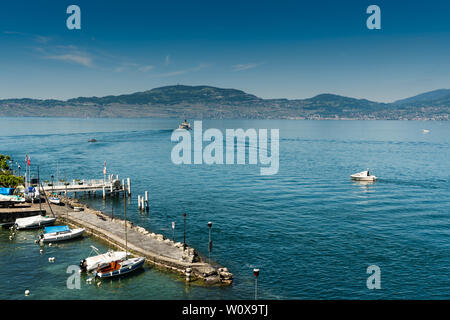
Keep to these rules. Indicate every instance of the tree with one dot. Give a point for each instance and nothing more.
(6, 178)
(4, 162)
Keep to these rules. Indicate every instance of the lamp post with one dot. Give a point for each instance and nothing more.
(184, 233)
(52, 183)
(67, 202)
(39, 191)
(256, 274)
(210, 242)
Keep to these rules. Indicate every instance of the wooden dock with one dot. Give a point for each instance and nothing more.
(158, 250)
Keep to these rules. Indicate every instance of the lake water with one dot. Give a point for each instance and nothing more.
(310, 230)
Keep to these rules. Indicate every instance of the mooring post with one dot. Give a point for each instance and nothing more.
(173, 231)
(104, 193)
(188, 274)
(146, 200)
(256, 274)
(129, 186)
(139, 202)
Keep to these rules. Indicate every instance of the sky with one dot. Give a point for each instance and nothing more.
(272, 49)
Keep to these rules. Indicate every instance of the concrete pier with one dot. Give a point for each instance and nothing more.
(158, 250)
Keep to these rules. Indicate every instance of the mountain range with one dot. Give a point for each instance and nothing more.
(206, 102)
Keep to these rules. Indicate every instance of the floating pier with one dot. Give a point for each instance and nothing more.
(158, 250)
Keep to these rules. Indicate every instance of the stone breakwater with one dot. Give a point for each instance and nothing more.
(158, 250)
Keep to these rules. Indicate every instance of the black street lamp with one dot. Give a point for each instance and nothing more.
(184, 233)
(52, 184)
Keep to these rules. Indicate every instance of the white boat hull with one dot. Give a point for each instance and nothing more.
(34, 222)
(91, 263)
(363, 176)
(369, 178)
(127, 266)
(56, 201)
(62, 236)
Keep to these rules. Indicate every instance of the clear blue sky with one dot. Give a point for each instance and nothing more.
(273, 49)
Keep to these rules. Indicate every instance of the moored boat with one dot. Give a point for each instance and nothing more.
(33, 222)
(11, 199)
(60, 233)
(185, 125)
(91, 263)
(54, 200)
(119, 267)
(363, 176)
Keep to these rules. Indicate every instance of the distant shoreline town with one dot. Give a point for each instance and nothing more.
(206, 102)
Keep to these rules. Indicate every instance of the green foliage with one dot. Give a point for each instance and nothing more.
(4, 159)
(9, 181)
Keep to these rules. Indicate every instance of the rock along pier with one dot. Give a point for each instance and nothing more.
(158, 250)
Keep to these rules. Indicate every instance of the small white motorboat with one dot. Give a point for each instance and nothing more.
(33, 222)
(363, 176)
(60, 233)
(119, 267)
(91, 263)
(185, 125)
(54, 200)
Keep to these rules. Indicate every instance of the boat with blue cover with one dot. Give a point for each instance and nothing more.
(60, 233)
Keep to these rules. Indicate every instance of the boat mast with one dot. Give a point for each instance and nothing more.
(125, 215)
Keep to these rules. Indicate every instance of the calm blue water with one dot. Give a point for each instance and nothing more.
(310, 230)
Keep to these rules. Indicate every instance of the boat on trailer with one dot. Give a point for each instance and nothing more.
(34, 222)
(119, 267)
(60, 233)
(91, 263)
